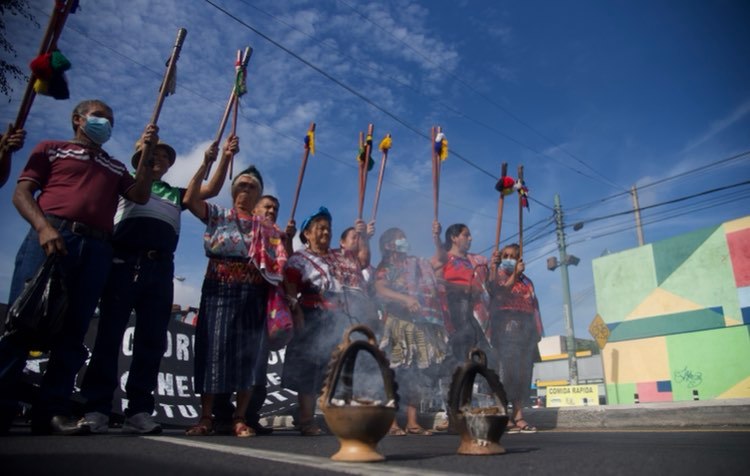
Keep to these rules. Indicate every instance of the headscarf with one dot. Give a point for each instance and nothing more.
(253, 172)
(322, 212)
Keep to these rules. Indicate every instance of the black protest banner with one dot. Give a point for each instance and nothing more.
(176, 403)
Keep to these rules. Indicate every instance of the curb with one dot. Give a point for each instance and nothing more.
(725, 413)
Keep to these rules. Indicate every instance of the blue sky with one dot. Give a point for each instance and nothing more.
(590, 97)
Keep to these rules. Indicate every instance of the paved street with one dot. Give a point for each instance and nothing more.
(679, 452)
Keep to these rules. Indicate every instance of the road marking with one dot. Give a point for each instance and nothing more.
(317, 462)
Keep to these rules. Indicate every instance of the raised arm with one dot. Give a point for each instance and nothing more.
(213, 187)
(193, 199)
(363, 251)
(141, 191)
(10, 142)
(441, 255)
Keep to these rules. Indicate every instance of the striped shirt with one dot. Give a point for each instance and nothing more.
(77, 182)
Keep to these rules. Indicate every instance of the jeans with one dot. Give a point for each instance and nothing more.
(135, 283)
(85, 270)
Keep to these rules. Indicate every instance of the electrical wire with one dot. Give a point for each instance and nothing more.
(490, 100)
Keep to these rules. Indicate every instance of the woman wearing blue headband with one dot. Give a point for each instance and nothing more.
(326, 294)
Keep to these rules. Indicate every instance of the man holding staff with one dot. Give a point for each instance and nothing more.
(79, 184)
(145, 239)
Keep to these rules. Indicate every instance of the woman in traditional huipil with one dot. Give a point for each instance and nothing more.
(516, 330)
(327, 294)
(414, 333)
(246, 256)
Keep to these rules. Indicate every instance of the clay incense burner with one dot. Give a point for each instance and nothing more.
(359, 423)
(480, 428)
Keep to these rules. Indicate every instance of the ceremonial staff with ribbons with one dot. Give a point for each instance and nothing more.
(504, 186)
(439, 154)
(309, 148)
(523, 202)
(365, 165)
(46, 78)
(167, 87)
(239, 88)
(385, 146)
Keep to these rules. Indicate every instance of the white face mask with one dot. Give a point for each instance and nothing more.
(508, 265)
(401, 245)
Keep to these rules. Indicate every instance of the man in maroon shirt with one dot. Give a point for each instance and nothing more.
(79, 185)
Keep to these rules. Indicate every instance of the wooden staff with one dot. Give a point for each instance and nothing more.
(383, 160)
(367, 145)
(435, 172)
(233, 132)
(230, 104)
(520, 213)
(500, 203)
(305, 155)
(168, 74)
(49, 43)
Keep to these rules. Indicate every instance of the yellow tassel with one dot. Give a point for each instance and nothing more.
(41, 87)
(386, 143)
(311, 141)
(444, 149)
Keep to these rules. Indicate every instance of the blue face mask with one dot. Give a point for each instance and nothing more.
(401, 245)
(509, 265)
(98, 129)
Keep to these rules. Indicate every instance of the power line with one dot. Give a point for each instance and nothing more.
(494, 103)
(680, 199)
(346, 86)
(720, 162)
(289, 138)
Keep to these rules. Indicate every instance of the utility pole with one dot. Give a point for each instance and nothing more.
(637, 209)
(565, 260)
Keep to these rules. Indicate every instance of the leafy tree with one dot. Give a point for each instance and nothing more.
(10, 71)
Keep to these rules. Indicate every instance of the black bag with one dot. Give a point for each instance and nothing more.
(38, 313)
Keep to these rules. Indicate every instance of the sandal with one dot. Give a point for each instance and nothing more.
(418, 430)
(310, 429)
(525, 427)
(442, 426)
(396, 431)
(240, 428)
(204, 427)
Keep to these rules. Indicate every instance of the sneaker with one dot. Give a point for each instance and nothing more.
(96, 421)
(141, 423)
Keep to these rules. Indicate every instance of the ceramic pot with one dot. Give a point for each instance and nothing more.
(358, 423)
(480, 427)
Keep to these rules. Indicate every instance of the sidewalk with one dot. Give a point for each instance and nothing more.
(709, 414)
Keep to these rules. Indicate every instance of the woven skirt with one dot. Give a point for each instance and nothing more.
(231, 344)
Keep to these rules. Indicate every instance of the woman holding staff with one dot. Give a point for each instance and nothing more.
(516, 324)
(246, 256)
(326, 294)
(415, 335)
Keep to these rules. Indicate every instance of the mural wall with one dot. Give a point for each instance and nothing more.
(677, 315)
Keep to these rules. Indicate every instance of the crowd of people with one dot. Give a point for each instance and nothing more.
(116, 232)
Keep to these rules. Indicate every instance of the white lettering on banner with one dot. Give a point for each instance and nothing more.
(127, 341)
(187, 411)
(167, 410)
(182, 351)
(273, 378)
(124, 379)
(168, 351)
(165, 384)
(183, 390)
(276, 356)
(278, 396)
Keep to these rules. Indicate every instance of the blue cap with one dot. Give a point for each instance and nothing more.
(322, 212)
